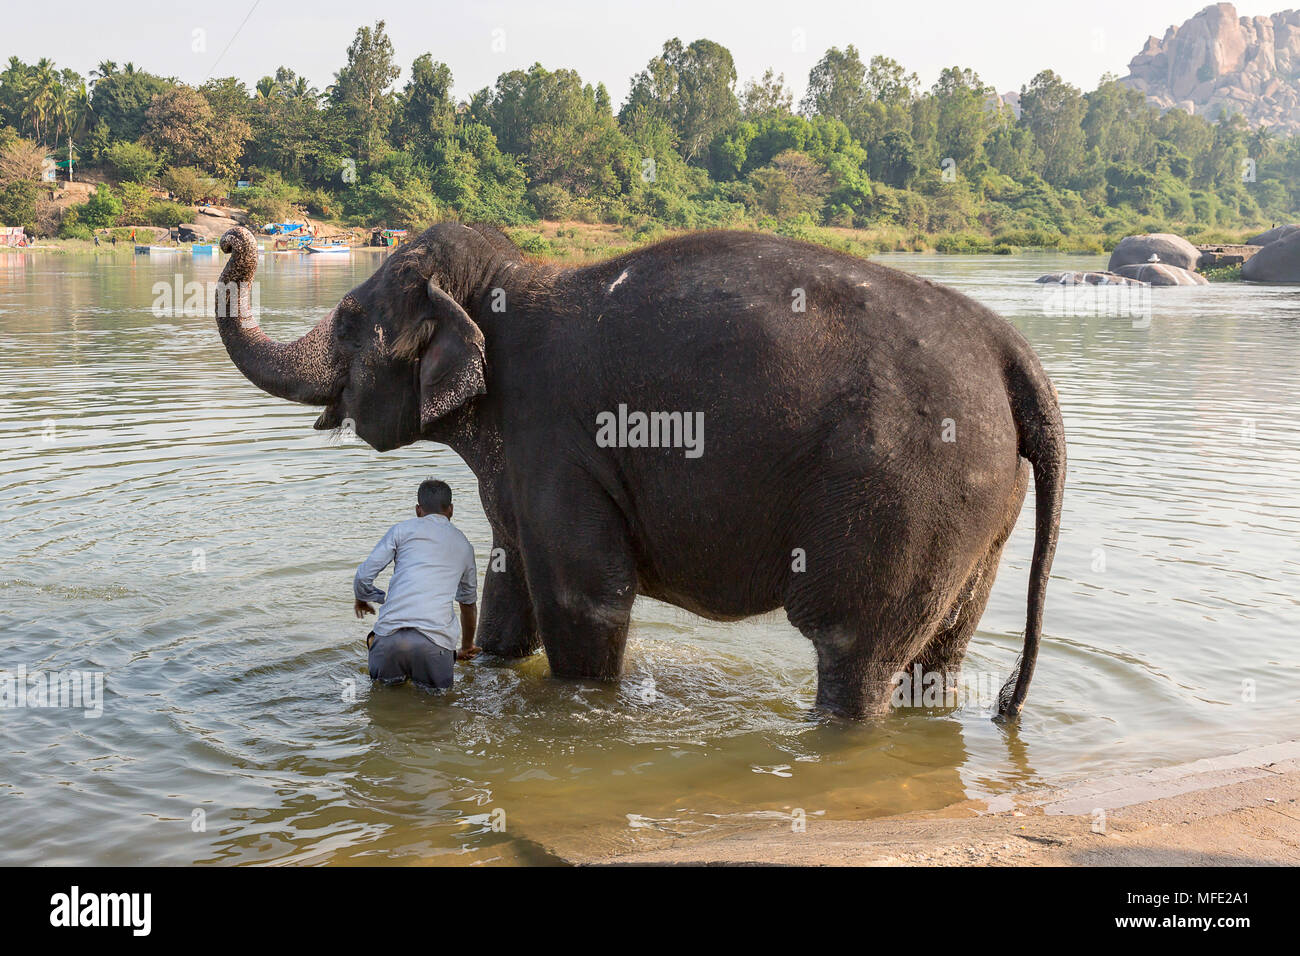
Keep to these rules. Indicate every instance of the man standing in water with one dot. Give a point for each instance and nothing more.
(415, 634)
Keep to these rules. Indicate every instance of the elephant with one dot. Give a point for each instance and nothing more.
(726, 421)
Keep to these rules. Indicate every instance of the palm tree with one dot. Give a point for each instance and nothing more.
(72, 110)
(41, 96)
(102, 72)
(1261, 145)
(303, 92)
(267, 88)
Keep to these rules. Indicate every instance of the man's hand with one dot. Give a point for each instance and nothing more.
(466, 653)
(362, 608)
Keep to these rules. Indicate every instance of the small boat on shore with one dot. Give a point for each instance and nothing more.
(339, 248)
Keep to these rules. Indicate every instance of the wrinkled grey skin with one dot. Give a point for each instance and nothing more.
(864, 460)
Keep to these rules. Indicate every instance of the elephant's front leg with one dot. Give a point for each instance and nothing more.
(508, 628)
(583, 580)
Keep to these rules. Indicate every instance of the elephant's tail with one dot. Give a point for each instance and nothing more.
(1042, 441)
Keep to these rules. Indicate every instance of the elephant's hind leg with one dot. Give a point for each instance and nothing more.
(938, 666)
(944, 653)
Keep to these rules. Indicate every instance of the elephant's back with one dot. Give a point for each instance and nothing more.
(728, 312)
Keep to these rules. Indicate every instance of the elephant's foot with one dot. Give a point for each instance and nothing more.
(586, 643)
(851, 682)
(507, 633)
(505, 644)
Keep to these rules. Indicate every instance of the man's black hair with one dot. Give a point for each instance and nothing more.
(434, 496)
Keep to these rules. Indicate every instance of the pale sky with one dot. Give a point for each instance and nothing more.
(1005, 42)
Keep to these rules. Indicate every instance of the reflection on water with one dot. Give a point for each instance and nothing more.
(193, 539)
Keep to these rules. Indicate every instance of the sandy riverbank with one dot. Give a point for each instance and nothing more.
(1239, 810)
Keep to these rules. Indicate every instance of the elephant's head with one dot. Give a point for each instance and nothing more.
(394, 357)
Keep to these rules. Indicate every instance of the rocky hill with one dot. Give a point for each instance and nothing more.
(1219, 61)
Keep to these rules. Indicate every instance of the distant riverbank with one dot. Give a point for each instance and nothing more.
(571, 241)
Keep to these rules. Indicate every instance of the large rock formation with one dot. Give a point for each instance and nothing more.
(1218, 61)
(1277, 262)
(1086, 278)
(1156, 247)
(1274, 234)
(1158, 273)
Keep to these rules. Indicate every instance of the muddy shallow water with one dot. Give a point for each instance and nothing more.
(193, 540)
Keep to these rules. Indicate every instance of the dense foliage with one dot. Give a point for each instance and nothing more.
(866, 148)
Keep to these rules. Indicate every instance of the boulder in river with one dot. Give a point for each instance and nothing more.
(1167, 248)
(1087, 278)
(1277, 262)
(1274, 234)
(1161, 273)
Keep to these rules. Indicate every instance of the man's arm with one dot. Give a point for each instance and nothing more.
(466, 596)
(363, 584)
(468, 623)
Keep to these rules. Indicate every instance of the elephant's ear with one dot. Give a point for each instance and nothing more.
(448, 347)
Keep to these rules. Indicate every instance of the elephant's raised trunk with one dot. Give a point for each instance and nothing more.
(307, 371)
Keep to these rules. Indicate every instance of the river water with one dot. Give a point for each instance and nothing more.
(192, 540)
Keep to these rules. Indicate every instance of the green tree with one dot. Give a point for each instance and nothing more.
(121, 99)
(836, 86)
(768, 96)
(1053, 111)
(562, 129)
(427, 113)
(362, 89)
(133, 162)
(963, 117)
(692, 89)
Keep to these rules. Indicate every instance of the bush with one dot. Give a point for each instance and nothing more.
(74, 230)
(264, 209)
(380, 200)
(189, 185)
(18, 203)
(101, 210)
(550, 201)
(963, 242)
(647, 232)
(136, 200)
(533, 244)
(1032, 238)
(71, 228)
(320, 202)
(1223, 274)
(132, 162)
(168, 214)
